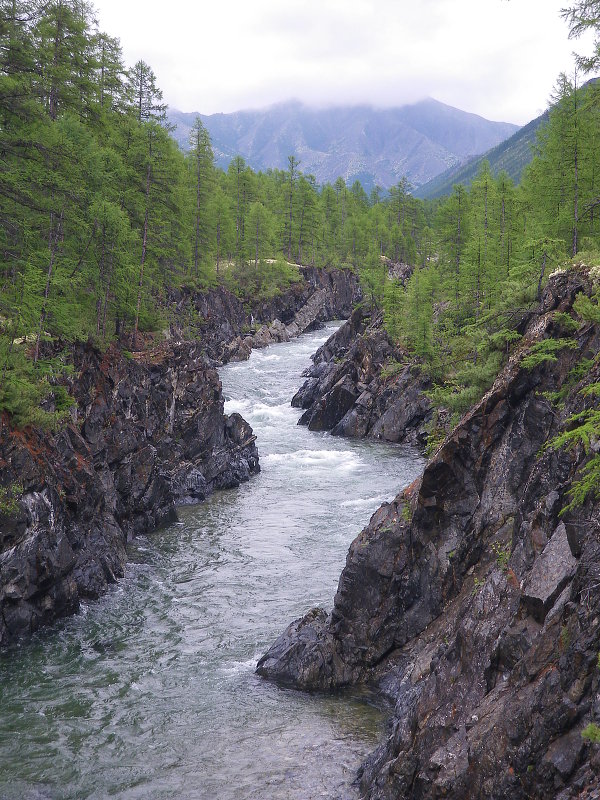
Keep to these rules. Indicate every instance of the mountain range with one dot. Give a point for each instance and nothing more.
(375, 146)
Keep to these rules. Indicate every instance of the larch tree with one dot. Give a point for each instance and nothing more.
(145, 98)
(201, 160)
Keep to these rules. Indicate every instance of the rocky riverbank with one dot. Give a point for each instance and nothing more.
(230, 329)
(147, 433)
(362, 385)
(473, 604)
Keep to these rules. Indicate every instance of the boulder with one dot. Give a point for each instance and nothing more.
(553, 569)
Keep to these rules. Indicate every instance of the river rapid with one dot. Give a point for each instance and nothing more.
(150, 692)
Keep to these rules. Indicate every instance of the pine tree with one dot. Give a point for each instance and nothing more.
(240, 186)
(584, 15)
(110, 73)
(222, 236)
(145, 98)
(201, 168)
(65, 57)
(307, 218)
(288, 226)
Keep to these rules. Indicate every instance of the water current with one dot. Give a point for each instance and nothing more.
(150, 693)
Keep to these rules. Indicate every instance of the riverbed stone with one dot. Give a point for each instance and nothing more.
(278, 331)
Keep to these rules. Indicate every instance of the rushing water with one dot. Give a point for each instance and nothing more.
(150, 692)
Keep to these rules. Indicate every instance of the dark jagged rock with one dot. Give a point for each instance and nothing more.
(324, 295)
(146, 435)
(473, 606)
(229, 330)
(349, 392)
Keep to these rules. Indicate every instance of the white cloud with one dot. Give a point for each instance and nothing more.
(496, 58)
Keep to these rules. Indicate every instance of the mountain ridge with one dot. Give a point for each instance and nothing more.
(511, 156)
(377, 146)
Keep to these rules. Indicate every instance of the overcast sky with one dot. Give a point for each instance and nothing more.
(496, 58)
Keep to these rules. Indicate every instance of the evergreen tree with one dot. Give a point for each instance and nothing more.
(222, 230)
(307, 218)
(584, 15)
(110, 73)
(145, 98)
(201, 168)
(288, 225)
(65, 57)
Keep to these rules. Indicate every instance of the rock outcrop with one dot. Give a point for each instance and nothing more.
(147, 433)
(474, 605)
(229, 330)
(361, 384)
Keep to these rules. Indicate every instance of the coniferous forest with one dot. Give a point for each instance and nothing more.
(102, 216)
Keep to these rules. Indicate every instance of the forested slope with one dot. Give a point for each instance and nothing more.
(510, 156)
(471, 601)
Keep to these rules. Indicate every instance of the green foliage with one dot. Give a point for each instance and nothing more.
(502, 554)
(587, 484)
(263, 280)
(102, 219)
(545, 351)
(583, 429)
(575, 375)
(9, 496)
(565, 322)
(435, 437)
(587, 307)
(391, 368)
(467, 385)
(591, 733)
(31, 400)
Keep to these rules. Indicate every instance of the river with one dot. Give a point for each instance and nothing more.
(150, 693)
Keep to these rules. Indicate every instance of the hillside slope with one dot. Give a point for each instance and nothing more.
(512, 156)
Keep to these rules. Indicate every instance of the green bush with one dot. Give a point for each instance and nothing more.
(9, 498)
(262, 281)
(546, 351)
